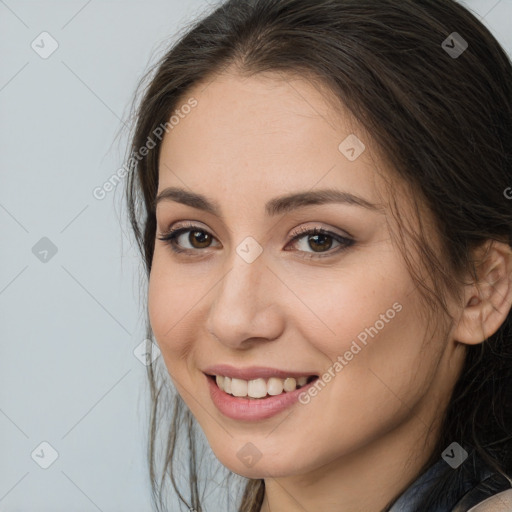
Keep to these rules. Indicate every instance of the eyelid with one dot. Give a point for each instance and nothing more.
(306, 229)
(298, 231)
(171, 234)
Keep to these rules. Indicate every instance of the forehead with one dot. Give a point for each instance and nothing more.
(265, 135)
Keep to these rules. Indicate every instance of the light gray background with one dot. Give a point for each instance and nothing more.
(69, 326)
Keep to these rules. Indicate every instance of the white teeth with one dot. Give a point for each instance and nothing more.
(238, 387)
(259, 388)
(290, 384)
(275, 386)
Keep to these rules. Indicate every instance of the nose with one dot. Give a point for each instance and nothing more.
(245, 308)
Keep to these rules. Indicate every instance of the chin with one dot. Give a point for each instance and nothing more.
(255, 459)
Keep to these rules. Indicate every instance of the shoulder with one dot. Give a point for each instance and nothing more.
(501, 502)
(492, 494)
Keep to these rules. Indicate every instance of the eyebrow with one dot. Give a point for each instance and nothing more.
(276, 206)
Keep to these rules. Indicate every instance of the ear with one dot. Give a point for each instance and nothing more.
(487, 300)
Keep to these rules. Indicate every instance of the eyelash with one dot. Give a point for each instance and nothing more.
(170, 239)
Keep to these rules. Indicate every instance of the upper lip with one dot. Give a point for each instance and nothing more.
(253, 372)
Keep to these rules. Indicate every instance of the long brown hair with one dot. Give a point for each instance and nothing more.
(443, 122)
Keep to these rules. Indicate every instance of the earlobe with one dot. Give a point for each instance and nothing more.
(488, 300)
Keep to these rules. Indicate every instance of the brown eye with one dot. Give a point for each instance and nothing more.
(320, 241)
(196, 239)
(202, 237)
(316, 240)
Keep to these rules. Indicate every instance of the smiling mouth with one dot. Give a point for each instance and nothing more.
(260, 388)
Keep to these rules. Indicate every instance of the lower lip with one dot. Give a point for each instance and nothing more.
(247, 409)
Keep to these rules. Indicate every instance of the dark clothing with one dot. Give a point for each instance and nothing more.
(480, 483)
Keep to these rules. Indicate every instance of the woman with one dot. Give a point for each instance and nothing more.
(319, 196)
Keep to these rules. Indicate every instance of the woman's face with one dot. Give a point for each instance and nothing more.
(245, 294)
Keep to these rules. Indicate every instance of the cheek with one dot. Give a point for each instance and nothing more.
(372, 329)
(370, 303)
(170, 301)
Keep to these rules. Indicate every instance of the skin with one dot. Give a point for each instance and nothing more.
(362, 440)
